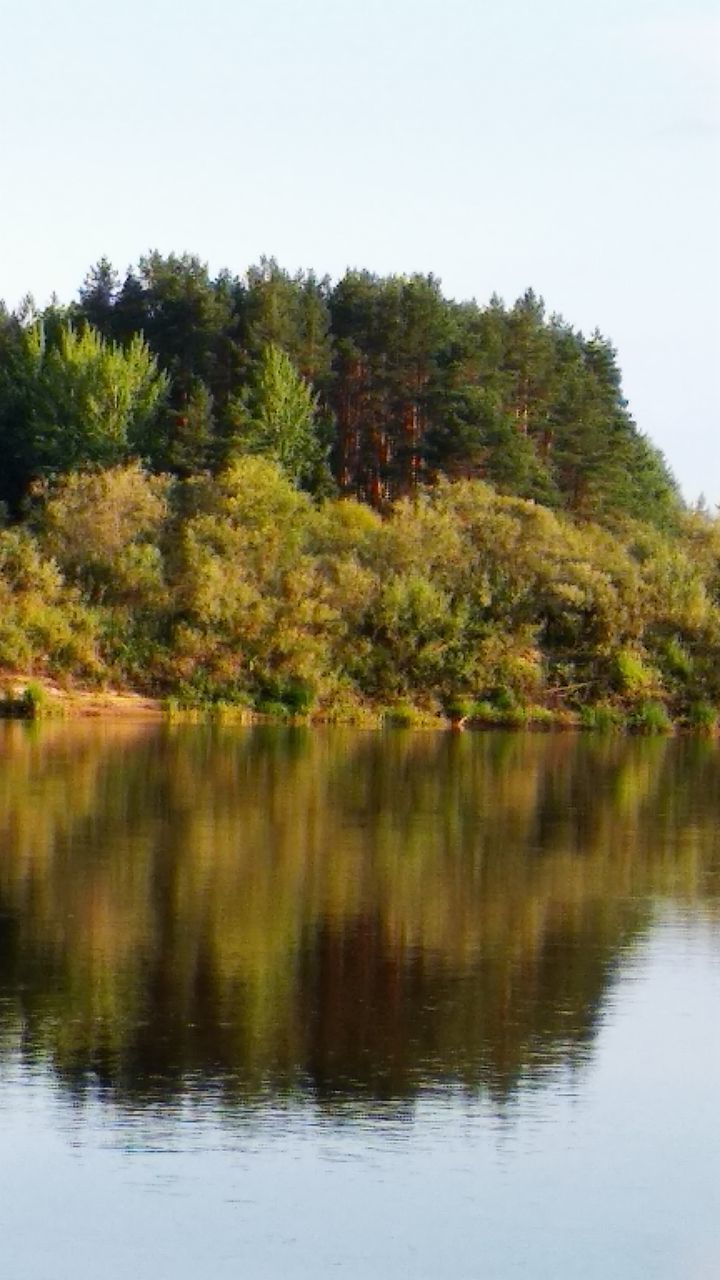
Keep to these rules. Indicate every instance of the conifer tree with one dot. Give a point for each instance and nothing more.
(98, 296)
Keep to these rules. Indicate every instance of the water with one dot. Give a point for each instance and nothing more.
(287, 1003)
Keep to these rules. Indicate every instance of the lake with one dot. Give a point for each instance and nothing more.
(280, 1002)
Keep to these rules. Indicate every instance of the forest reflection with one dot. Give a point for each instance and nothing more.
(280, 914)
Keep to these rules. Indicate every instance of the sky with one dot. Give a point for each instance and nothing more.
(563, 145)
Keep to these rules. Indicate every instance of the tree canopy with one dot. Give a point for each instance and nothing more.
(394, 383)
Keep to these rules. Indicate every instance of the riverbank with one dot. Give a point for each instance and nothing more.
(38, 697)
(236, 598)
(41, 698)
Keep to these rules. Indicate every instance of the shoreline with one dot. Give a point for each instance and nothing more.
(40, 697)
(35, 698)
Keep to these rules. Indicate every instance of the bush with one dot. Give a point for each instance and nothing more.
(102, 529)
(485, 713)
(703, 717)
(677, 659)
(402, 716)
(633, 677)
(603, 717)
(457, 709)
(34, 699)
(651, 717)
(295, 695)
(541, 717)
(273, 710)
(504, 699)
(30, 704)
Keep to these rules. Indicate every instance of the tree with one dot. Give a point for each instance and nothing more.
(601, 461)
(292, 313)
(69, 399)
(182, 438)
(98, 296)
(391, 338)
(277, 418)
(104, 529)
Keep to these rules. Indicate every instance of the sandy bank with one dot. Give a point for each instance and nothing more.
(67, 699)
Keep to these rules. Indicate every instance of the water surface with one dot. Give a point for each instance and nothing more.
(310, 1003)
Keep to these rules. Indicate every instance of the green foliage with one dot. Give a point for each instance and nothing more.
(104, 530)
(403, 715)
(69, 399)
(236, 590)
(507, 544)
(703, 716)
(272, 709)
(677, 660)
(394, 384)
(28, 704)
(33, 697)
(604, 716)
(44, 625)
(294, 695)
(278, 419)
(651, 717)
(634, 677)
(458, 709)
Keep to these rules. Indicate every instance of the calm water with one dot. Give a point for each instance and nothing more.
(290, 1004)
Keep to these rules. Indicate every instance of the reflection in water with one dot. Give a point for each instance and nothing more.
(356, 918)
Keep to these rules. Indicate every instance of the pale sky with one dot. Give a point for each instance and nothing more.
(560, 144)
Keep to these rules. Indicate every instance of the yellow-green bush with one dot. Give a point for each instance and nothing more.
(236, 588)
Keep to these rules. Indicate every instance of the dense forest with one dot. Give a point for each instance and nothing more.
(372, 387)
(285, 493)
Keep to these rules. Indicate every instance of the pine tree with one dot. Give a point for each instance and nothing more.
(98, 295)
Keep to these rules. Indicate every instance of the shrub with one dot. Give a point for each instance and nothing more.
(508, 714)
(541, 717)
(603, 717)
(703, 717)
(504, 699)
(295, 695)
(34, 699)
(633, 677)
(102, 528)
(677, 659)
(402, 716)
(273, 710)
(486, 713)
(457, 709)
(651, 717)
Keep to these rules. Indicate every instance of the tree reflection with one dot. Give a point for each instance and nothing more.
(353, 917)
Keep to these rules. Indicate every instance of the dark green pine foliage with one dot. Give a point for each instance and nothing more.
(16, 446)
(424, 325)
(130, 311)
(600, 459)
(187, 434)
(390, 339)
(406, 385)
(480, 429)
(291, 313)
(191, 324)
(98, 298)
